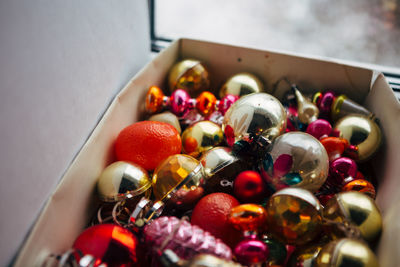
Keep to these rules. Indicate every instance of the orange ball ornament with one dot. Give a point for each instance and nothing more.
(248, 217)
(206, 103)
(362, 186)
(334, 146)
(154, 99)
(147, 143)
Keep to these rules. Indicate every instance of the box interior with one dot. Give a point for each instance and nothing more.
(70, 207)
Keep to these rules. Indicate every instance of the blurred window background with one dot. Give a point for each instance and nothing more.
(365, 31)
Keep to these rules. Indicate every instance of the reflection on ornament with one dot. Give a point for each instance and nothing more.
(110, 244)
(346, 252)
(294, 216)
(241, 84)
(251, 252)
(189, 75)
(248, 217)
(360, 185)
(122, 180)
(259, 117)
(295, 159)
(249, 187)
(319, 128)
(358, 209)
(200, 137)
(362, 133)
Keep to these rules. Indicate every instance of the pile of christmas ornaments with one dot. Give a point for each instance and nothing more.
(243, 180)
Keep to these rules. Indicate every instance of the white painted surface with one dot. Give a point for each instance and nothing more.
(60, 64)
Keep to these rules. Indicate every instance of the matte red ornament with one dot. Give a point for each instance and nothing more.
(110, 244)
(211, 214)
(249, 187)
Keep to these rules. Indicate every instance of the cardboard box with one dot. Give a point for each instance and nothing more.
(70, 206)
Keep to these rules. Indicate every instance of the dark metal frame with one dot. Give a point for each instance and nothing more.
(158, 43)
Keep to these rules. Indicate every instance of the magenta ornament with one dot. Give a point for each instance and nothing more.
(341, 170)
(184, 239)
(251, 251)
(226, 102)
(325, 105)
(180, 102)
(319, 128)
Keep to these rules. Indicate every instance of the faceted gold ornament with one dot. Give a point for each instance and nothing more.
(358, 209)
(294, 216)
(241, 84)
(189, 75)
(200, 137)
(177, 172)
(362, 133)
(122, 180)
(346, 252)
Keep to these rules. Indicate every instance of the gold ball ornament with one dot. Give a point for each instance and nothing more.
(241, 84)
(362, 133)
(258, 116)
(294, 216)
(122, 180)
(346, 252)
(358, 209)
(304, 256)
(189, 75)
(200, 137)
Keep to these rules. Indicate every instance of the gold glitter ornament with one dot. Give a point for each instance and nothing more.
(189, 75)
(358, 209)
(177, 172)
(362, 133)
(241, 84)
(200, 137)
(346, 252)
(122, 180)
(294, 216)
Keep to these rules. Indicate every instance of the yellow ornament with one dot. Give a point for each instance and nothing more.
(346, 252)
(122, 180)
(358, 209)
(241, 84)
(200, 137)
(189, 75)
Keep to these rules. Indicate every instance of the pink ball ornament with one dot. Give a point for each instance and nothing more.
(251, 251)
(319, 128)
(226, 102)
(180, 102)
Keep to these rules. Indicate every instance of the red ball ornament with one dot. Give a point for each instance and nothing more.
(211, 214)
(249, 187)
(108, 243)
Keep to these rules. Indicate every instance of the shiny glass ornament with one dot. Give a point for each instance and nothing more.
(259, 116)
(294, 216)
(241, 84)
(334, 146)
(360, 185)
(122, 180)
(346, 252)
(324, 102)
(319, 128)
(358, 209)
(221, 167)
(200, 137)
(251, 251)
(343, 106)
(110, 244)
(248, 217)
(177, 172)
(183, 238)
(304, 256)
(341, 170)
(190, 75)
(155, 99)
(226, 102)
(249, 187)
(206, 103)
(295, 159)
(362, 133)
(307, 111)
(179, 102)
(169, 118)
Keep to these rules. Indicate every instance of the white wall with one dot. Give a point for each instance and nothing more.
(60, 63)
